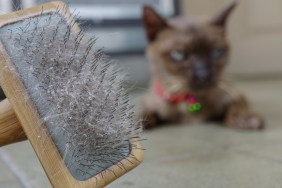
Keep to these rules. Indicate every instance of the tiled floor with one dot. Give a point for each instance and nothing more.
(195, 156)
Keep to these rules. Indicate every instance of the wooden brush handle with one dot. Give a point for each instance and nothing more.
(10, 127)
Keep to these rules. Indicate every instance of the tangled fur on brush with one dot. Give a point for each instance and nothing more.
(78, 91)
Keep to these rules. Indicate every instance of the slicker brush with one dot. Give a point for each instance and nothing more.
(67, 97)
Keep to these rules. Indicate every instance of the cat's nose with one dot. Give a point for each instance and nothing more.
(202, 74)
(201, 70)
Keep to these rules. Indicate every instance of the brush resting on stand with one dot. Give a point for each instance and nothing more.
(68, 97)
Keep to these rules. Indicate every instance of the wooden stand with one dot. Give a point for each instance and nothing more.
(10, 127)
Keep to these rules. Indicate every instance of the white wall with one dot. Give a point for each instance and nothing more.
(255, 32)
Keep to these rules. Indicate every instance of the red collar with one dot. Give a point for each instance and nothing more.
(175, 99)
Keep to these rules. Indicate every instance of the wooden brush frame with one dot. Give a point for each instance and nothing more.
(18, 114)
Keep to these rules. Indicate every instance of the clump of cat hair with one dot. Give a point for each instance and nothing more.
(78, 91)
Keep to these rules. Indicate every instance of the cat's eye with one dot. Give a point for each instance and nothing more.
(178, 56)
(217, 53)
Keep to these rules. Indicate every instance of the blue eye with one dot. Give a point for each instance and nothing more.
(217, 53)
(178, 56)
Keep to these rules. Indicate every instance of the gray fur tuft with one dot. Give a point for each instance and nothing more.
(79, 92)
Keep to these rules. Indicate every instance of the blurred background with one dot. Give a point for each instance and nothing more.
(255, 30)
(186, 156)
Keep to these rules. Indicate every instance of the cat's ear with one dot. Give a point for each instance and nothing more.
(221, 18)
(153, 23)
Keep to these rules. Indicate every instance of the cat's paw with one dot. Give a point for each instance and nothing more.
(248, 121)
(150, 120)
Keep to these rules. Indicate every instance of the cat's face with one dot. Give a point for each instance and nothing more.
(186, 55)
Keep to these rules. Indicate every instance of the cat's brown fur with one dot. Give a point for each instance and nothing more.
(198, 70)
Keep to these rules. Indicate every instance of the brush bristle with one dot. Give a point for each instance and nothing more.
(78, 92)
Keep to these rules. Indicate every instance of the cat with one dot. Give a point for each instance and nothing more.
(187, 62)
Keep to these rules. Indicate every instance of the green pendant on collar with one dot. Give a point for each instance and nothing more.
(193, 105)
(194, 108)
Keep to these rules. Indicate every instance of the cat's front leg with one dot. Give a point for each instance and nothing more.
(239, 116)
(150, 119)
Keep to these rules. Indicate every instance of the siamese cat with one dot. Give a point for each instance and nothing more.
(187, 62)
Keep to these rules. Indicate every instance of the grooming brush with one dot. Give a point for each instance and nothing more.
(69, 99)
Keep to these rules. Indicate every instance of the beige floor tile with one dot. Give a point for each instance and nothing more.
(7, 178)
(216, 162)
(194, 156)
(24, 157)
